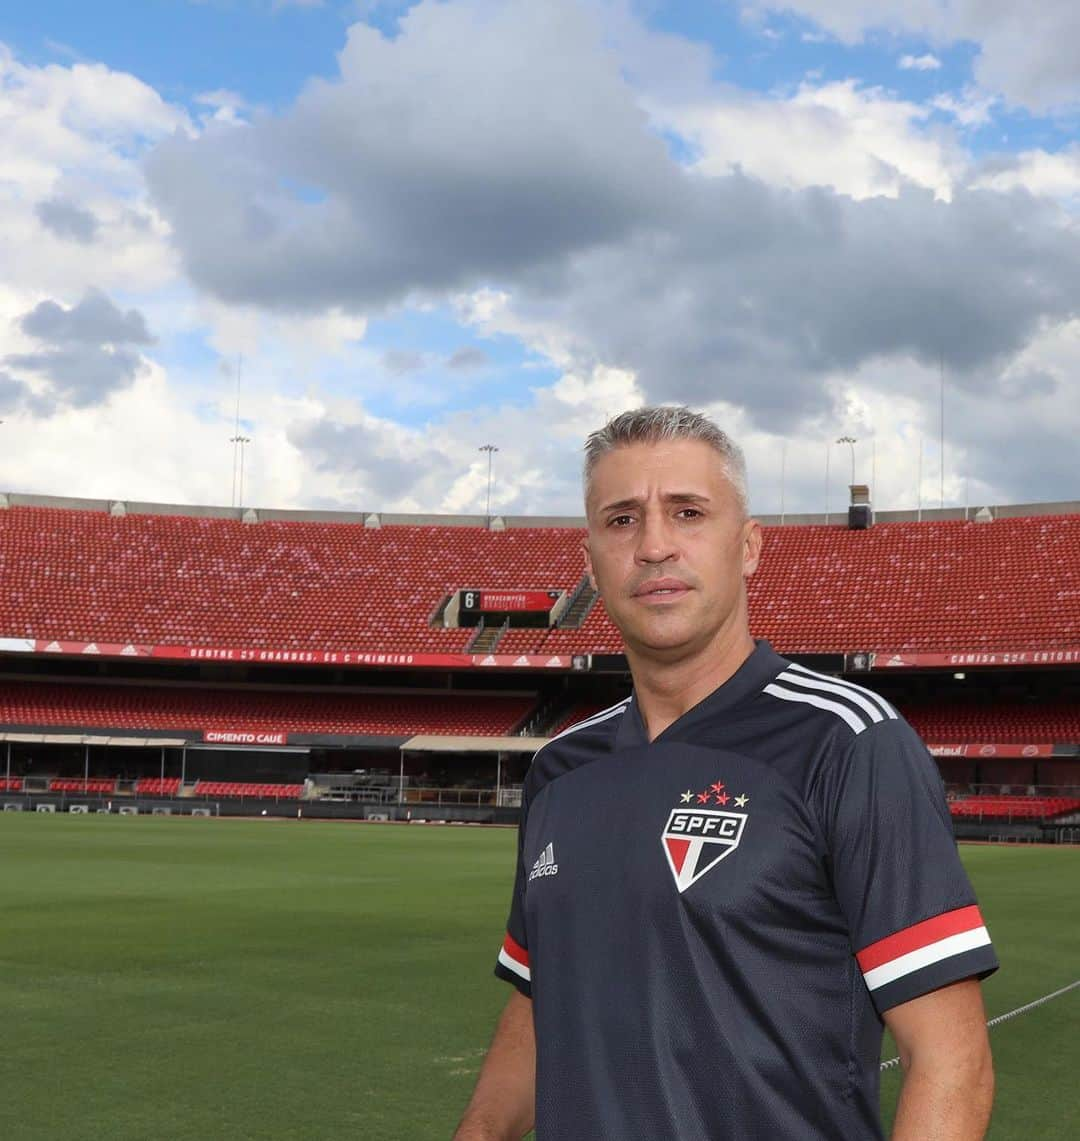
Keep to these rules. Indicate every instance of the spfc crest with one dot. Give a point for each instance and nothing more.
(695, 839)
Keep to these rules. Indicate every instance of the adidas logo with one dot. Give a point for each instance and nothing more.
(545, 865)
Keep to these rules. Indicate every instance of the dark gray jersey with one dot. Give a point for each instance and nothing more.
(711, 924)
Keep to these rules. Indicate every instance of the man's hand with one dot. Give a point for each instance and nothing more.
(502, 1105)
(948, 1072)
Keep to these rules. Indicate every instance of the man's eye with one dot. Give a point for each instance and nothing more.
(689, 513)
(620, 520)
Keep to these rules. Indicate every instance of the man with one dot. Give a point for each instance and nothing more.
(727, 882)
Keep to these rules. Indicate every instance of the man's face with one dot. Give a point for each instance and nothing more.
(669, 547)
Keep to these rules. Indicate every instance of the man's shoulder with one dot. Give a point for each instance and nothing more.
(576, 745)
(827, 703)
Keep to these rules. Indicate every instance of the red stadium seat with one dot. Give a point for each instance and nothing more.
(261, 790)
(98, 785)
(184, 580)
(1003, 722)
(156, 786)
(34, 704)
(1014, 807)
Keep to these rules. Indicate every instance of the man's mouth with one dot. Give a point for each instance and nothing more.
(661, 588)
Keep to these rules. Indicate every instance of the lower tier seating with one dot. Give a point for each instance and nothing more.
(259, 711)
(261, 789)
(156, 786)
(1024, 807)
(580, 712)
(1003, 722)
(77, 784)
(942, 723)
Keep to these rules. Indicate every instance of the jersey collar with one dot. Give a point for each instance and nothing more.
(760, 668)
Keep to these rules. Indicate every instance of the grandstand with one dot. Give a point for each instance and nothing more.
(376, 665)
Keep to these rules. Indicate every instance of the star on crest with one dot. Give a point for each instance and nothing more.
(715, 793)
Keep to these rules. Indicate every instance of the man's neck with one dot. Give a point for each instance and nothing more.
(665, 690)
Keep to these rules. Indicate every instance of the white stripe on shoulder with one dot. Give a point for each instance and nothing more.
(849, 715)
(803, 679)
(856, 692)
(595, 719)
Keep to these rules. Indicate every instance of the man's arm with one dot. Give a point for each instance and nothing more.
(948, 1072)
(502, 1105)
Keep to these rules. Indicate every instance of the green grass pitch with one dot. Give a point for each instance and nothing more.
(273, 980)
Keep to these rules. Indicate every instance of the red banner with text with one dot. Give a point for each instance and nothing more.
(294, 657)
(991, 750)
(242, 737)
(864, 661)
(503, 600)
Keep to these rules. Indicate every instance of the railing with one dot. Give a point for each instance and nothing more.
(571, 602)
(446, 796)
(470, 644)
(539, 719)
(960, 791)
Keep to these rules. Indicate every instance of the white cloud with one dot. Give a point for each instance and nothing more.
(491, 311)
(303, 338)
(737, 284)
(971, 108)
(925, 62)
(74, 135)
(1052, 174)
(373, 462)
(858, 140)
(225, 106)
(1028, 55)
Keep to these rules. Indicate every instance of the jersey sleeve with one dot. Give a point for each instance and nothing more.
(512, 964)
(914, 921)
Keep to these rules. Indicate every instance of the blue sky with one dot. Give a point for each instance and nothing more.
(266, 52)
(426, 226)
(183, 48)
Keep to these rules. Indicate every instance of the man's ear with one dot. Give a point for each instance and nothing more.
(588, 564)
(752, 540)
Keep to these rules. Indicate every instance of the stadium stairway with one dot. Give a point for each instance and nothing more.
(582, 601)
(487, 638)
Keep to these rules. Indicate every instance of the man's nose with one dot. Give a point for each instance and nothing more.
(655, 540)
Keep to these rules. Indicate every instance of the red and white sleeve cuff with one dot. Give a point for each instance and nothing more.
(514, 957)
(926, 955)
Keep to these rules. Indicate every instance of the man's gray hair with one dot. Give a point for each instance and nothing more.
(667, 422)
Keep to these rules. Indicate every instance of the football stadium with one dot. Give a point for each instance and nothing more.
(261, 768)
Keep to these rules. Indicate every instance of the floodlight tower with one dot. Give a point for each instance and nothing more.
(240, 441)
(851, 441)
(491, 449)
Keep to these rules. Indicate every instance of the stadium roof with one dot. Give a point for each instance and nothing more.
(92, 739)
(428, 743)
